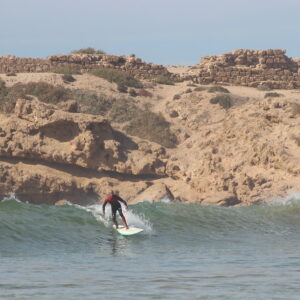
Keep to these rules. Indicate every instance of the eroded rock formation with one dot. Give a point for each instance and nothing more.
(243, 153)
(40, 134)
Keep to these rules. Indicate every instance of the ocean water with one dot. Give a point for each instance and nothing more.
(187, 251)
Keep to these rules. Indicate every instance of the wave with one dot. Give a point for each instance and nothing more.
(73, 224)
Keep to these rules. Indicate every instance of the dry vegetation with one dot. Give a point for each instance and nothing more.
(151, 126)
(124, 110)
(140, 122)
(223, 100)
(68, 78)
(70, 70)
(88, 50)
(163, 80)
(272, 95)
(122, 79)
(217, 89)
(264, 87)
(200, 89)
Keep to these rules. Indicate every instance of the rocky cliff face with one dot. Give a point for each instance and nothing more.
(40, 134)
(236, 147)
(250, 156)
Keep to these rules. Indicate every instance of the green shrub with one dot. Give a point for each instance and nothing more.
(2, 85)
(117, 77)
(214, 100)
(152, 126)
(217, 89)
(122, 88)
(70, 70)
(45, 92)
(123, 110)
(272, 95)
(200, 89)
(176, 97)
(55, 95)
(92, 103)
(8, 97)
(88, 101)
(132, 93)
(162, 79)
(224, 101)
(264, 87)
(68, 78)
(88, 50)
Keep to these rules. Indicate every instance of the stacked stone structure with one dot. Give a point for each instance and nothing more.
(240, 67)
(84, 63)
(250, 68)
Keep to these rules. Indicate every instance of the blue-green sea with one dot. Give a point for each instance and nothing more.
(187, 251)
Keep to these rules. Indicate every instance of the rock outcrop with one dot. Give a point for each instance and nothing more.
(248, 155)
(38, 131)
(37, 134)
(241, 151)
(250, 68)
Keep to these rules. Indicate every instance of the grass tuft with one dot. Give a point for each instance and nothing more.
(71, 70)
(264, 87)
(151, 126)
(218, 89)
(272, 95)
(200, 89)
(117, 77)
(68, 78)
(162, 79)
(223, 100)
(88, 50)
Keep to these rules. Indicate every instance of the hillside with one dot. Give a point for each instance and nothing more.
(69, 132)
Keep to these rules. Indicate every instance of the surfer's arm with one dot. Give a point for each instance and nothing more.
(123, 201)
(103, 206)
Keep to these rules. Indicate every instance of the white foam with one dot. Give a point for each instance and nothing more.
(290, 199)
(165, 199)
(12, 196)
(96, 210)
(132, 219)
(137, 221)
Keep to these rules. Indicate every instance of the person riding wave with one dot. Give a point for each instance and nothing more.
(113, 200)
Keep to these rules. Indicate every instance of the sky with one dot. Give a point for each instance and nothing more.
(169, 32)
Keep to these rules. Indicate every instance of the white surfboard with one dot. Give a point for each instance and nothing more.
(127, 232)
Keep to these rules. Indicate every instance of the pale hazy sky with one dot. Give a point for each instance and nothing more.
(159, 31)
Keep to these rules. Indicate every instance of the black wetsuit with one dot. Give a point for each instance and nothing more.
(113, 200)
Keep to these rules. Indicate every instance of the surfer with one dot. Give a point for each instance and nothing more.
(113, 200)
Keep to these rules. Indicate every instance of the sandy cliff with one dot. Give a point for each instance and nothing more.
(234, 147)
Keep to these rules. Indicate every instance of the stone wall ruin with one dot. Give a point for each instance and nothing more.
(240, 67)
(83, 63)
(250, 68)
